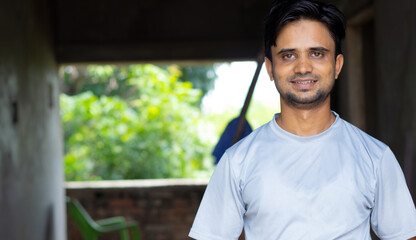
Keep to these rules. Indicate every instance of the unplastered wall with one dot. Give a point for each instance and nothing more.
(164, 208)
(31, 175)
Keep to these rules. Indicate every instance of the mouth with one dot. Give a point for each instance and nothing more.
(304, 83)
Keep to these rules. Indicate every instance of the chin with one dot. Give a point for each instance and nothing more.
(306, 103)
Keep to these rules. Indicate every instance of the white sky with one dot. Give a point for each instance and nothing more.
(232, 85)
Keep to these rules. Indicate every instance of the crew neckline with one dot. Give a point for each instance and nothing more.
(327, 132)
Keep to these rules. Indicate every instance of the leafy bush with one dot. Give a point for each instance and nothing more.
(154, 131)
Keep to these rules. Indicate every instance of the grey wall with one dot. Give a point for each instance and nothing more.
(31, 175)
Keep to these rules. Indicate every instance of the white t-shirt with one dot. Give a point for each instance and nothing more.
(333, 185)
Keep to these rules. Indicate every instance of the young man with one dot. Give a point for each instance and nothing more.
(307, 174)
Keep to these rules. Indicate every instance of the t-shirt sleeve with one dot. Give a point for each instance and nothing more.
(394, 215)
(220, 214)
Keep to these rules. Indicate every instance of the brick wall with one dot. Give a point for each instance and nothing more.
(165, 209)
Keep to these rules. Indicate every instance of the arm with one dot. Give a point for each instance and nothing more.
(393, 215)
(220, 215)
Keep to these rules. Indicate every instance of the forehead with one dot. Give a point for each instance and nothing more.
(304, 34)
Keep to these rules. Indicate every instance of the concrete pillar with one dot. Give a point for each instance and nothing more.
(31, 173)
(395, 28)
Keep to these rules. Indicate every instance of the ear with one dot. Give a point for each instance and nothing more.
(269, 68)
(339, 62)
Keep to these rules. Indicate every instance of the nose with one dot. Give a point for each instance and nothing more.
(303, 65)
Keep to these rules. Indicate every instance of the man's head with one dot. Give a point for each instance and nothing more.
(286, 11)
(303, 51)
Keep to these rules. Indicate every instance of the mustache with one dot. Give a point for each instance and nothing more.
(307, 75)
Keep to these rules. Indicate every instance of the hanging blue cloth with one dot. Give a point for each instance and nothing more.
(227, 138)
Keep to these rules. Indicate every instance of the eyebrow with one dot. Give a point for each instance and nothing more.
(319, 49)
(284, 50)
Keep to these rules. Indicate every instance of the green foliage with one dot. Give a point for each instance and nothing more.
(201, 77)
(112, 80)
(148, 128)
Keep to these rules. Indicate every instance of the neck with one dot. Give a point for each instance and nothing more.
(306, 122)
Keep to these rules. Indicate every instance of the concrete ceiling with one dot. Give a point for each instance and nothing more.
(163, 30)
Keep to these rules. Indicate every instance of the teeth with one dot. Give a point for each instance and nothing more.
(305, 82)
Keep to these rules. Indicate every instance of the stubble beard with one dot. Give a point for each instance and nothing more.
(305, 103)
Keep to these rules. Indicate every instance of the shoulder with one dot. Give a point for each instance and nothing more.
(241, 148)
(362, 141)
(243, 153)
(370, 154)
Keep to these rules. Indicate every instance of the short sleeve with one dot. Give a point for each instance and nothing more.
(220, 214)
(394, 215)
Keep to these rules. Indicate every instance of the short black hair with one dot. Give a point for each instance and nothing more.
(286, 11)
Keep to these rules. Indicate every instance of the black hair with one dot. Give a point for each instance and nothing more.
(286, 11)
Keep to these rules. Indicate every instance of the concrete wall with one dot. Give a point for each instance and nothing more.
(165, 209)
(31, 175)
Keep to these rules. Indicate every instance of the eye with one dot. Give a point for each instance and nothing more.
(317, 54)
(287, 56)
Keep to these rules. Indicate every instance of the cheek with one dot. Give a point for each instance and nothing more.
(278, 80)
(327, 72)
(280, 83)
(331, 74)
(282, 73)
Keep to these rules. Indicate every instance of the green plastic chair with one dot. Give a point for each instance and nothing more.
(90, 229)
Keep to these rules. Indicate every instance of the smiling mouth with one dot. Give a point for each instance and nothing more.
(305, 82)
(304, 85)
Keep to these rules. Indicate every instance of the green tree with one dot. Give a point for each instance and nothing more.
(153, 130)
(111, 80)
(202, 77)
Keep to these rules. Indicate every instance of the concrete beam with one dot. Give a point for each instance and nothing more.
(88, 31)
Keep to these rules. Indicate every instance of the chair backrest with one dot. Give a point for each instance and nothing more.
(86, 224)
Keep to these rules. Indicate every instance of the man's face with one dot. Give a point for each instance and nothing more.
(304, 66)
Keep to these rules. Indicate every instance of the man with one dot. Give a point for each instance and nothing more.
(307, 174)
